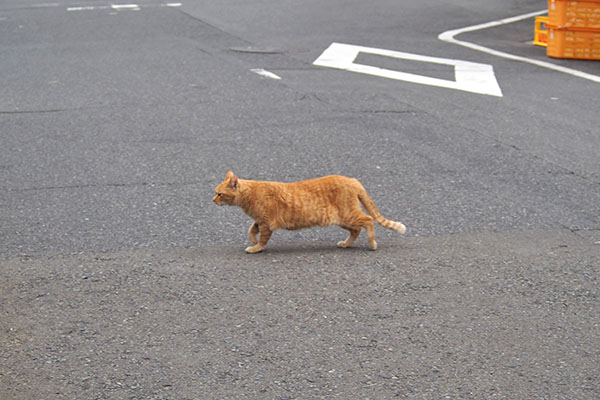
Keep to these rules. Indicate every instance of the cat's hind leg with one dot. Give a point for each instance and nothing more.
(370, 228)
(362, 220)
(252, 233)
(354, 232)
(264, 236)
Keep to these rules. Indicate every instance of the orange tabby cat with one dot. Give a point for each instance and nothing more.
(331, 200)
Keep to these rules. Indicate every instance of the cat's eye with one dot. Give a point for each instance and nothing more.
(219, 194)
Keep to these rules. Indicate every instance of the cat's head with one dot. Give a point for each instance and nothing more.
(227, 190)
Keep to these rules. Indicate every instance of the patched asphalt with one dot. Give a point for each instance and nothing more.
(512, 315)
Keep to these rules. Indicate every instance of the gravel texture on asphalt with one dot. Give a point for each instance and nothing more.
(511, 315)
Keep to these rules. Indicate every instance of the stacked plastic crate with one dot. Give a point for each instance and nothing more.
(574, 29)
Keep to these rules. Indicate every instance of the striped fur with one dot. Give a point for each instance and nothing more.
(369, 205)
(330, 200)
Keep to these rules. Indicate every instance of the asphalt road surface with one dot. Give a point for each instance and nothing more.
(121, 279)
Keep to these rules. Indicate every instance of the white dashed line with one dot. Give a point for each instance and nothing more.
(120, 7)
(89, 8)
(448, 36)
(265, 73)
(125, 7)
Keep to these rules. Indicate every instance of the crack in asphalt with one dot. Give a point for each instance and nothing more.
(37, 111)
(100, 185)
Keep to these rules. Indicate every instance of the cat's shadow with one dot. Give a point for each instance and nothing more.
(290, 248)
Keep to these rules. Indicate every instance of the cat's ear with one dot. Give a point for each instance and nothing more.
(233, 180)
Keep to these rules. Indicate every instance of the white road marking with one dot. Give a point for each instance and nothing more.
(134, 7)
(265, 73)
(448, 36)
(125, 6)
(45, 5)
(470, 76)
(88, 8)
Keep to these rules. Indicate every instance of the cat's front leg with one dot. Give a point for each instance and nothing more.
(264, 236)
(252, 233)
(354, 232)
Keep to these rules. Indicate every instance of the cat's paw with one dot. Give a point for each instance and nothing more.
(342, 244)
(374, 245)
(254, 249)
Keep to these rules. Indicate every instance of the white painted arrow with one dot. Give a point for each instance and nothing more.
(470, 76)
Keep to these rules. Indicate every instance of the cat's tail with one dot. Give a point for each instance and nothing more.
(369, 205)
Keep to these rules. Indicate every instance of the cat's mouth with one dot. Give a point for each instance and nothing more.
(218, 201)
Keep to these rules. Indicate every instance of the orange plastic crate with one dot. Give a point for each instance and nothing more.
(541, 32)
(582, 14)
(572, 42)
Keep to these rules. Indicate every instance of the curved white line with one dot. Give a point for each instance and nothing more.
(448, 36)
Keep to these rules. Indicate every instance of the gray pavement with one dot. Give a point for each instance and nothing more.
(477, 316)
(121, 279)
